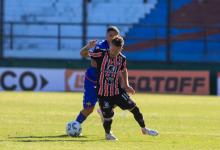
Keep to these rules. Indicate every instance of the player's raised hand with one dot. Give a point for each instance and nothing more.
(129, 89)
(91, 44)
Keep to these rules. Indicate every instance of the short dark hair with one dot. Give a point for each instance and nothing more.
(113, 28)
(118, 41)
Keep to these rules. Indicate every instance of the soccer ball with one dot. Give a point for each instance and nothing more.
(73, 129)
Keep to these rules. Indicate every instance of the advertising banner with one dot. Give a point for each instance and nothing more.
(178, 82)
(153, 81)
(74, 80)
(150, 81)
(29, 79)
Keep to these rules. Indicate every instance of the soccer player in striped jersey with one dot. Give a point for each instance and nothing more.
(110, 65)
(90, 95)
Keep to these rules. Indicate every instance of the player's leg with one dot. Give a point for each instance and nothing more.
(100, 114)
(83, 114)
(126, 103)
(139, 118)
(107, 110)
(89, 101)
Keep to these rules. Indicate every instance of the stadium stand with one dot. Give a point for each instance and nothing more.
(44, 10)
(199, 33)
(68, 12)
(194, 34)
(153, 34)
(145, 30)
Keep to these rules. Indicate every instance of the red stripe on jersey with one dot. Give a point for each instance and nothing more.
(115, 62)
(121, 59)
(117, 77)
(116, 85)
(102, 73)
(106, 88)
(111, 89)
(112, 84)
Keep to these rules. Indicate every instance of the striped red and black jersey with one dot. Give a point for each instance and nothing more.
(109, 70)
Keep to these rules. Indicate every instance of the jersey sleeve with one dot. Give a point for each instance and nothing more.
(96, 48)
(100, 46)
(97, 54)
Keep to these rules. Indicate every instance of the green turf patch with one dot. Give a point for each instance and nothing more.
(36, 121)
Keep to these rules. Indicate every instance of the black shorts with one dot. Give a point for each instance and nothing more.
(107, 103)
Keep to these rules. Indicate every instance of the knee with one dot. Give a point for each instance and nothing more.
(108, 114)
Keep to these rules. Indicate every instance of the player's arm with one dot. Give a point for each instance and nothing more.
(84, 52)
(128, 88)
(124, 74)
(96, 55)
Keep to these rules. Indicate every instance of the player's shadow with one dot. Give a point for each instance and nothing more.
(55, 138)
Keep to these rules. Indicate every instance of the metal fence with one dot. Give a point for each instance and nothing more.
(205, 30)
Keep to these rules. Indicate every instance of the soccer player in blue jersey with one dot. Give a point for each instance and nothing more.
(110, 65)
(90, 94)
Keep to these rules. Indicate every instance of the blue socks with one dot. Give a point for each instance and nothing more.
(81, 118)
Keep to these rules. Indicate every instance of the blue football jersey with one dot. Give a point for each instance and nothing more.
(91, 72)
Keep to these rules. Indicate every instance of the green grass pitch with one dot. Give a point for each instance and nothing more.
(36, 121)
